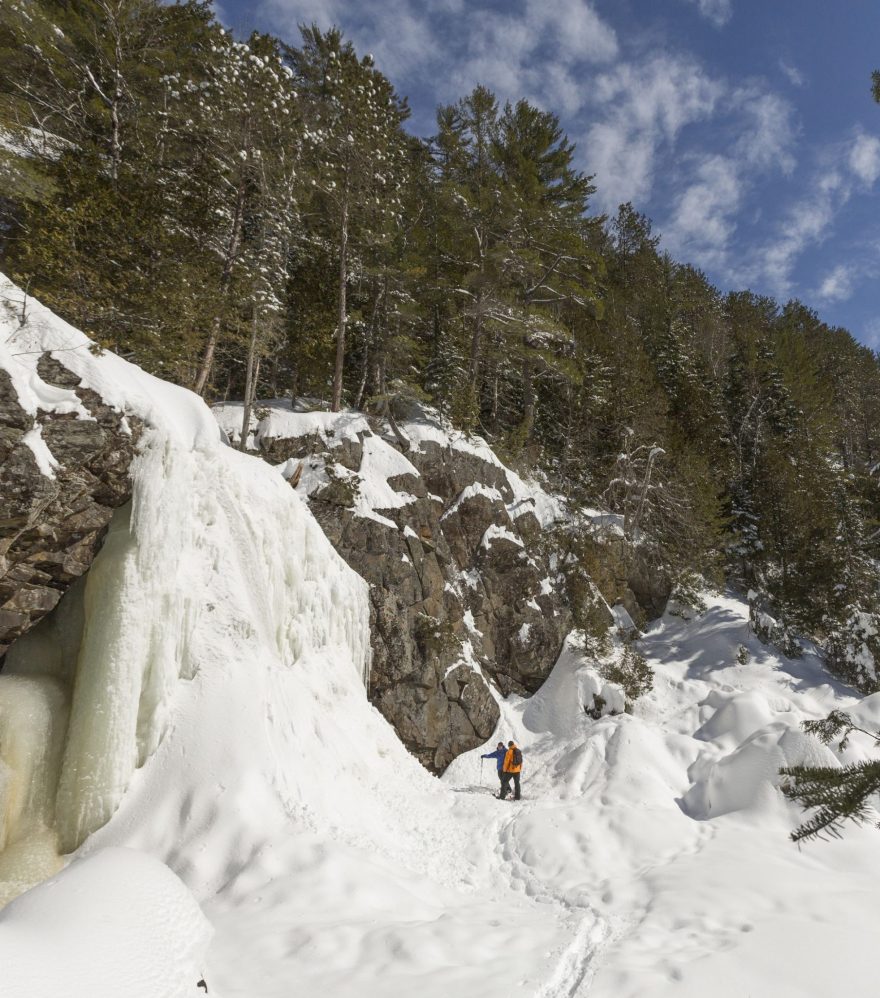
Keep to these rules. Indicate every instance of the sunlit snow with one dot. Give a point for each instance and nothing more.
(221, 735)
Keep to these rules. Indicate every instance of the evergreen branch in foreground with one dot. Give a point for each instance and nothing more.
(840, 794)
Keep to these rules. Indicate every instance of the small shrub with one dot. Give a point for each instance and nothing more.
(632, 673)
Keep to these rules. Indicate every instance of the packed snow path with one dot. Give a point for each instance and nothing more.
(666, 833)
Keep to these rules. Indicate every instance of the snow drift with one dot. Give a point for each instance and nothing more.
(118, 922)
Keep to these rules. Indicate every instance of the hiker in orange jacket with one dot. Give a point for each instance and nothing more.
(510, 771)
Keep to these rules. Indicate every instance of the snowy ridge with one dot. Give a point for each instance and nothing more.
(274, 419)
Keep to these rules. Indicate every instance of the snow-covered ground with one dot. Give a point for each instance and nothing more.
(219, 715)
(666, 830)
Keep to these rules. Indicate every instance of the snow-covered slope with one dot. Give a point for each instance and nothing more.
(667, 831)
(219, 702)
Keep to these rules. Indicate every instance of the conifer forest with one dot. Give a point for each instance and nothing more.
(254, 219)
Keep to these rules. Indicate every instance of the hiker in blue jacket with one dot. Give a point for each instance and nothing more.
(498, 756)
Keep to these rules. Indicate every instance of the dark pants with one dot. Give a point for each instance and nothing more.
(505, 785)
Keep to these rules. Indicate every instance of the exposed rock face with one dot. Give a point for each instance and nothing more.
(61, 477)
(462, 590)
(624, 573)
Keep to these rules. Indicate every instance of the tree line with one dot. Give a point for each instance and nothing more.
(253, 218)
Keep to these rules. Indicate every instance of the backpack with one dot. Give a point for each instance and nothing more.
(517, 757)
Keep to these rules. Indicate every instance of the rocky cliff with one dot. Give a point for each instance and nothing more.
(469, 596)
(475, 575)
(65, 456)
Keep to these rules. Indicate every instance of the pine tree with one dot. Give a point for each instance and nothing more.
(246, 130)
(355, 121)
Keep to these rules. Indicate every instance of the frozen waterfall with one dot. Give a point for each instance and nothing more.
(215, 559)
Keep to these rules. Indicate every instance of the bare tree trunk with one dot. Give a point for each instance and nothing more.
(115, 133)
(477, 338)
(365, 373)
(646, 485)
(359, 395)
(382, 360)
(231, 255)
(249, 382)
(476, 348)
(340, 328)
(528, 420)
(207, 358)
(399, 435)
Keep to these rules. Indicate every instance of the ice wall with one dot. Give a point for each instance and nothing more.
(215, 563)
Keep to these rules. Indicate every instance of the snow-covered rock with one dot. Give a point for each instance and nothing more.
(464, 602)
(65, 454)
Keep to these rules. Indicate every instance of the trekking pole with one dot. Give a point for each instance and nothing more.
(481, 772)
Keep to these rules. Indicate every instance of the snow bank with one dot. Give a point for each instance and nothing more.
(667, 831)
(117, 923)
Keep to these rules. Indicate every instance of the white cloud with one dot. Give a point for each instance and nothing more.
(838, 285)
(719, 12)
(642, 108)
(579, 32)
(792, 73)
(539, 50)
(713, 187)
(704, 218)
(768, 132)
(809, 220)
(705, 215)
(543, 52)
(871, 334)
(806, 223)
(864, 158)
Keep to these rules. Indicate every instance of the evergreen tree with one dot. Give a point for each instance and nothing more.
(355, 121)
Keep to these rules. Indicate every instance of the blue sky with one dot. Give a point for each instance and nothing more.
(744, 128)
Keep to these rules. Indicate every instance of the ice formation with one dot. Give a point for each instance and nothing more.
(216, 557)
